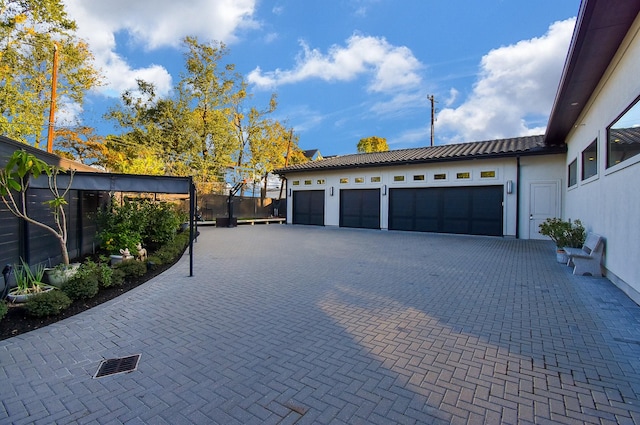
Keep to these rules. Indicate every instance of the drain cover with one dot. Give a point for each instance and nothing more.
(120, 365)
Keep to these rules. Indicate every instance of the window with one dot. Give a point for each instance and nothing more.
(418, 177)
(307, 182)
(359, 180)
(440, 176)
(590, 160)
(344, 180)
(623, 136)
(398, 178)
(296, 182)
(320, 181)
(488, 174)
(572, 179)
(375, 179)
(465, 175)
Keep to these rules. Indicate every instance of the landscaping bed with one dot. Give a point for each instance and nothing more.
(17, 321)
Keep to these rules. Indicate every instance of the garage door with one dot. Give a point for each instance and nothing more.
(308, 207)
(465, 210)
(360, 208)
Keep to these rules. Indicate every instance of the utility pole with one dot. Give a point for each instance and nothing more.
(286, 160)
(52, 107)
(433, 115)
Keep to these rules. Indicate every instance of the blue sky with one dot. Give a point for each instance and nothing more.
(349, 69)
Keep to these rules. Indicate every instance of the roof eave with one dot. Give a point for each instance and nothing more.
(498, 155)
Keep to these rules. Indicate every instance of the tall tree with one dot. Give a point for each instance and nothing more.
(30, 30)
(373, 144)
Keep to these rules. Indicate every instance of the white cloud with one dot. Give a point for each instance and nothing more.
(153, 24)
(390, 67)
(516, 83)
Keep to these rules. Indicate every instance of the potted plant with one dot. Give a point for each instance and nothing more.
(15, 178)
(61, 273)
(563, 234)
(28, 282)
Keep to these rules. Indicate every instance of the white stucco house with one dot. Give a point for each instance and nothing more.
(586, 166)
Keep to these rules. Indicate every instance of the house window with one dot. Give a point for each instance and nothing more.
(307, 182)
(623, 136)
(418, 177)
(572, 179)
(440, 176)
(398, 178)
(320, 181)
(344, 180)
(488, 174)
(375, 179)
(465, 175)
(590, 160)
(359, 179)
(296, 182)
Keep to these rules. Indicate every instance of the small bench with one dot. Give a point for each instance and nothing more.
(586, 260)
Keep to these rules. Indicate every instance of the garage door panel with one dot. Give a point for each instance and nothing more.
(461, 210)
(308, 207)
(425, 225)
(360, 208)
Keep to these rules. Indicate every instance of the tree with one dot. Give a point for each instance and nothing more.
(30, 30)
(15, 177)
(81, 144)
(373, 144)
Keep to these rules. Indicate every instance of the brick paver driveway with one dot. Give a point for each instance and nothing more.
(292, 324)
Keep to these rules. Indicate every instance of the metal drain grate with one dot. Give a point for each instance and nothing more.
(110, 367)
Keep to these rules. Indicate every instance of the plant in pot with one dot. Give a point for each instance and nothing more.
(15, 177)
(563, 234)
(58, 275)
(28, 282)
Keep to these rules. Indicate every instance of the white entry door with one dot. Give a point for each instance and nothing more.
(544, 203)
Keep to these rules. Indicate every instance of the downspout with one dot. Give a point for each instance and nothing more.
(517, 188)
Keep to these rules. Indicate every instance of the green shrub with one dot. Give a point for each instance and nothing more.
(123, 225)
(171, 250)
(132, 268)
(83, 285)
(117, 277)
(3, 309)
(163, 221)
(101, 270)
(47, 303)
(154, 260)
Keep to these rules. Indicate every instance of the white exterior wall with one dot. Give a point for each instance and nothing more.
(608, 203)
(505, 171)
(534, 170)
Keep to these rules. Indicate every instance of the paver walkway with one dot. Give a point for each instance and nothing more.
(294, 324)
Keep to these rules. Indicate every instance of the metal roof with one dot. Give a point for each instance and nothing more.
(600, 28)
(517, 146)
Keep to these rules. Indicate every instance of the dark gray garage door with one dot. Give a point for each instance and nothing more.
(360, 208)
(466, 210)
(308, 207)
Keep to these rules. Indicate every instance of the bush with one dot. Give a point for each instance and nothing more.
(564, 233)
(137, 221)
(172, 249)
(101, 270)
(117, 277)
(47, 303)
(83, 285)
(3, 309)
(132, 268)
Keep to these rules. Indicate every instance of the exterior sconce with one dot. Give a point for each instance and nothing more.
(331, 191)
(384, 189)
(289, 193)
(509, 186)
